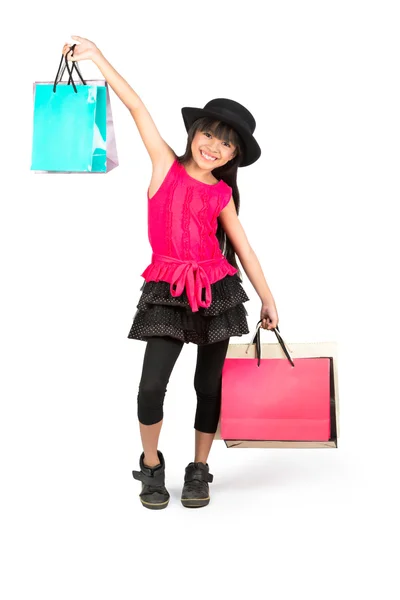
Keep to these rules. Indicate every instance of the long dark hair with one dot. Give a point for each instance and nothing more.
(227, 172)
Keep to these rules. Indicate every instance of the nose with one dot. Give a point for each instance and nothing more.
(214, 149)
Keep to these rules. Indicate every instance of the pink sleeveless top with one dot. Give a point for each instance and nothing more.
(182, 222)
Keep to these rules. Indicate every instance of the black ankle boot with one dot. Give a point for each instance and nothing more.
(154, 494)
(195, 492)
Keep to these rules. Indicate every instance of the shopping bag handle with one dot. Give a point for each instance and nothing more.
(60, 72)
(257, 341)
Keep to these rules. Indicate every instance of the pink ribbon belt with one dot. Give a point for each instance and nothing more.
(190, 274)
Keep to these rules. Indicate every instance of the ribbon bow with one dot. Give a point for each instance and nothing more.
(192, 276)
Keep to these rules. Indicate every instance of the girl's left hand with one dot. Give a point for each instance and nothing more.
(269, 315)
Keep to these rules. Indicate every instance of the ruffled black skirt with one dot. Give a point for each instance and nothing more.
(160, 314)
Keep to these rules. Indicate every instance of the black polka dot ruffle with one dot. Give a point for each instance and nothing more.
(159, 313)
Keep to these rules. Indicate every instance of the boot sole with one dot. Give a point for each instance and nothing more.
(195, 502)
(154, 505)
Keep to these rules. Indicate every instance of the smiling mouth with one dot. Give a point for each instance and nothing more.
(208, 157)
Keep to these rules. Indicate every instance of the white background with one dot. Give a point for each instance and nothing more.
(321, 79)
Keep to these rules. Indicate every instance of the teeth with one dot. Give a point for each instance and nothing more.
(207, 157)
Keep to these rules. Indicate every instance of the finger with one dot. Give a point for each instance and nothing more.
(77, 38)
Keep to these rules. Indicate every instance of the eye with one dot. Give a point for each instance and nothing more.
(206, 133)
(228, 144)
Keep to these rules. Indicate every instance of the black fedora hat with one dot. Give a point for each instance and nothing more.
(233, 114)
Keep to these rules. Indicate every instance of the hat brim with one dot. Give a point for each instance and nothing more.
(251, 150)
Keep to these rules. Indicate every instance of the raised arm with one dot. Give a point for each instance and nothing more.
(158, 149)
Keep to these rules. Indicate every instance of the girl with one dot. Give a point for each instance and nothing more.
(192, 290)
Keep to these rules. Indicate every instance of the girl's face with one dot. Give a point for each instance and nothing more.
(209, 152)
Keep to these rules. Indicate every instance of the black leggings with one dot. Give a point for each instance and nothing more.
(159, 359)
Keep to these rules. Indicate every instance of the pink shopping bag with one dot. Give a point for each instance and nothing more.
(277, 397)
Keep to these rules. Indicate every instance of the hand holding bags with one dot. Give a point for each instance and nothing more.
(72, 126)
(270, 399)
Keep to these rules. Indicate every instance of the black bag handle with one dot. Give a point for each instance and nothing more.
(257, 342)
(74, 66)
(61, 71)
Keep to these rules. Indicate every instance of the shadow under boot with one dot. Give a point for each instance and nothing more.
(154, 494)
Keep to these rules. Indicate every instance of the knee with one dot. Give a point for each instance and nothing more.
(208, 405)
(150, 402)
(205, 388)
(207, 412)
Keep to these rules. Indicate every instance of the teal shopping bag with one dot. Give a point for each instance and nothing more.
(69, 129)
(72, 125)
